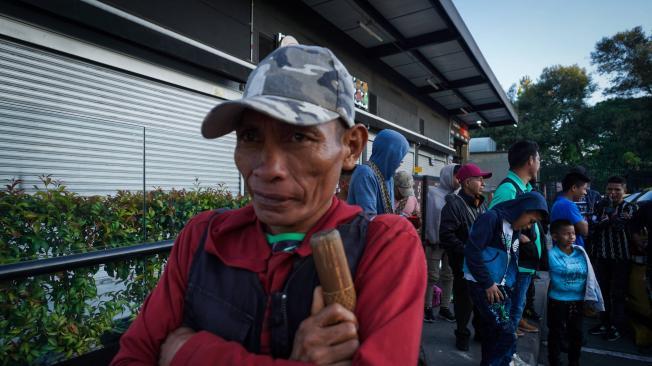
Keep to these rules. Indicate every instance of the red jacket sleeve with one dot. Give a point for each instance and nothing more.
(390, 284)
(162, 313)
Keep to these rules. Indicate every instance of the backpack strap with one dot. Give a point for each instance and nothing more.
(509, 180)
(291, 306)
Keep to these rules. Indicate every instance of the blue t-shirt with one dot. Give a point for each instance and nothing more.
(565, 209)
(567, 274)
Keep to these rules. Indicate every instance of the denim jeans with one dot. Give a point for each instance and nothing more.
(519, 295)
(497, 349)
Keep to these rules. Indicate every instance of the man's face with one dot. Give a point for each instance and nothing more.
(290, 171)
(579, 191)
(565, 236)
(535, 164)
(474, 186)
(615, 192)
(526, 220)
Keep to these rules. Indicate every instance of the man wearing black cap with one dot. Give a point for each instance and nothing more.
(240, 287)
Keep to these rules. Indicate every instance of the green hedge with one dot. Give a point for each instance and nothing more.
(50, 318)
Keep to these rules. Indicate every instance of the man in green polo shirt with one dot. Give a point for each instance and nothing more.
(524, 163)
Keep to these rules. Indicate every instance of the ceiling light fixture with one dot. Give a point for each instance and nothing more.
(515, 125)
(464, 111)
(433, 83)
(370, 31)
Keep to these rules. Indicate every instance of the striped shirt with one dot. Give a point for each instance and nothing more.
(611, 238)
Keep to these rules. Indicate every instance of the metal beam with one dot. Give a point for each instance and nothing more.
(477, 108)
(454, 84)
(68, 262)
(407, 44)
(488, 106)
(463, 83)
(504, 122)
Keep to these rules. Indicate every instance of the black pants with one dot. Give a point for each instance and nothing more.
(461, 292)
(529, 302)
(613, 278)
(565, 321)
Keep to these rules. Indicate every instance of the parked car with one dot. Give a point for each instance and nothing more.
(641, 196)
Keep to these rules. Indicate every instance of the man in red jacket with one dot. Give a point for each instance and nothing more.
(240, 287)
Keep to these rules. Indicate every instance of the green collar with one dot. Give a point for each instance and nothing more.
(273, 239)
(524, 187)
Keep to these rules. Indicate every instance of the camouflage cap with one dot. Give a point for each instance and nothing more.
(297, 84)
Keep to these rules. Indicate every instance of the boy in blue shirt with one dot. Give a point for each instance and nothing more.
(572, 282)
(574, 187)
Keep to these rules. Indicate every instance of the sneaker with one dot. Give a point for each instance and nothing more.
(613, 334)
(526, 327)
(428, 317)
(598, 330)
(519, 333)
(446, 314)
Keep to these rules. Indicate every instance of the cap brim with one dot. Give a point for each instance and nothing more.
(486, 175)
(226, 116)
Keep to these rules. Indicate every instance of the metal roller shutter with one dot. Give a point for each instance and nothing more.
(438, 162)
(408, 162)
(370, 142)
(94, 127)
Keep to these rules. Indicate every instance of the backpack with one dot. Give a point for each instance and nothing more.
(542, 262)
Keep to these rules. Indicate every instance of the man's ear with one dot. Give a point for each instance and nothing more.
(354, 140)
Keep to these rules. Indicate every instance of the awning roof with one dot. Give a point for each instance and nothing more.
(427, 43)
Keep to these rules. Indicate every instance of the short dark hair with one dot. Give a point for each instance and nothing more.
(520, 152)
(557, 225)
(456, 168)
(573, 179)
(616, 179)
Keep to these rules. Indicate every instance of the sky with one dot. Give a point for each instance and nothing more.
(522, 37)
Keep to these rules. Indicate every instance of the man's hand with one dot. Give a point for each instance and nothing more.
(523, 239)
(172, 343)
(328, 337)
(494, 294)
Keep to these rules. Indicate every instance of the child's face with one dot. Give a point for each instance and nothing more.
(565, 236)
(526, 220)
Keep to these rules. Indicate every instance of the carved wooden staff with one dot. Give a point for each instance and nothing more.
(333, 268)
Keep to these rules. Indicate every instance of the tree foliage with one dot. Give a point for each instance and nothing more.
(627, 58)
(547, 110)
(608, 138)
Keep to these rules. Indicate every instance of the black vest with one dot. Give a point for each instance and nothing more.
(230, 302)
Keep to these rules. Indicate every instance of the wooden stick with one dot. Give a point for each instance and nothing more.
(333, 268)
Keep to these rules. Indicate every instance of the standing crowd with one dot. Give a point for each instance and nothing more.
(485, 255)
(240, 286)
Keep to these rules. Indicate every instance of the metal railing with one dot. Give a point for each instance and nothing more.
(57, 264)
